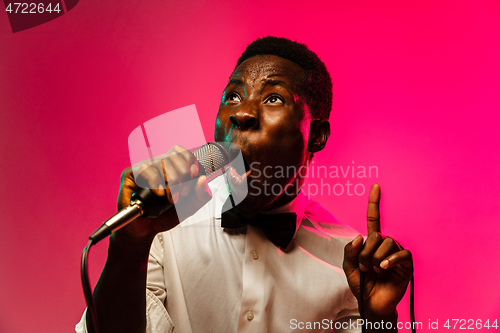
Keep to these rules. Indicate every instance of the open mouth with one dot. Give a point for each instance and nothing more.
(239, 170)
(238, 178)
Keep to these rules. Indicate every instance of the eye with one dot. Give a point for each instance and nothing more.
(233, 97)
(273, 99)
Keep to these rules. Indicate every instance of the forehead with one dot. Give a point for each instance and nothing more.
(265, 66)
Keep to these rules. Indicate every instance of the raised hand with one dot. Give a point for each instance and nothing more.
(388, 269)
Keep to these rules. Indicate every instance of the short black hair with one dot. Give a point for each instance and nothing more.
(318, 82)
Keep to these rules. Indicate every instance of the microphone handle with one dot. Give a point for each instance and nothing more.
(118, 221)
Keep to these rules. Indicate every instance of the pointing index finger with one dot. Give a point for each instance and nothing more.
(373, 213)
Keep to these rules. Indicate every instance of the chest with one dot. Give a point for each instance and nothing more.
(235, 274)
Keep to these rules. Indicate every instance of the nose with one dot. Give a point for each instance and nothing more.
(244, 119)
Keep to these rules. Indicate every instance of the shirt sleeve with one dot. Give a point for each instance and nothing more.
(156, 280)
(158, 319)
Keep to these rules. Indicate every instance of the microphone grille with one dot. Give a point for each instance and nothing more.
(212, 157)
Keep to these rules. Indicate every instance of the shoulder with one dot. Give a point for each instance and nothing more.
(315, 216)
(322, 235)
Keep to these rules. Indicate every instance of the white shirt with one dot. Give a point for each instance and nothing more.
(204, 278)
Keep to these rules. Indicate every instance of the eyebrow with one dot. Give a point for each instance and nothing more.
(272, 82)
(269, 81)
(276, 82)
(235, 81)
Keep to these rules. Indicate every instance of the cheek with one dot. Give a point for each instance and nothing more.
(291, 133)
(295, 143)
(289, 146)
(221, 126)
(219, 131)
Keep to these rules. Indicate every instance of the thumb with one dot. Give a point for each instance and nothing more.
(202, 190)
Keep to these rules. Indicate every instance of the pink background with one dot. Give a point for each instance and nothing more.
(416, 93)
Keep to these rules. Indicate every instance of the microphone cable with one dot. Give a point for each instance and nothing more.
(87, 291)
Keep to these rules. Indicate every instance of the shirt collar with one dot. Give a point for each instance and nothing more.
(221, 194)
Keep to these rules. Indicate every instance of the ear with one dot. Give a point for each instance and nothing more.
(318, 135)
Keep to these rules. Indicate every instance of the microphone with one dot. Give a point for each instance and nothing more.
(212, 158)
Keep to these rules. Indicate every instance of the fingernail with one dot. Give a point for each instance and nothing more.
(356, 240)
(363, 267)
(161, 189)
(384, 264)
(194, 170)
(377, 269)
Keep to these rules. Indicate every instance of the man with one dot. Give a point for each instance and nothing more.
(210, 278)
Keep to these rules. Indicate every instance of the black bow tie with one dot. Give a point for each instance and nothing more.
(279, 228)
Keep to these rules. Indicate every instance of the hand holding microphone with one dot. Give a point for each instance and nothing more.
(177, 176)
(148, 189)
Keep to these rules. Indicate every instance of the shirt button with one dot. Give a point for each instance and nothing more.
(250, 315)
(255, 255)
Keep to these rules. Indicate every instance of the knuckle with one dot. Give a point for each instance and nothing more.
(184, 172)
(165, 162)
(347, 249)
(178, 148)
(141, 167)
(174, 150)
(126, 171)
(375, 235)
(392, 243)
(364, 257)
(377, 258)
(158, 172)
(188, 156)
(154, 180)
